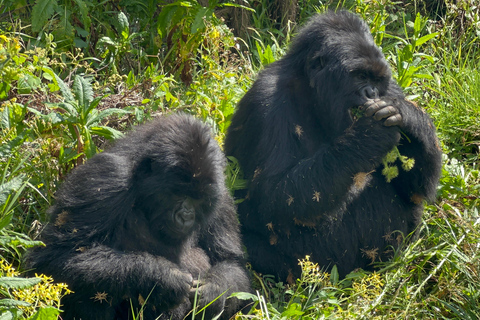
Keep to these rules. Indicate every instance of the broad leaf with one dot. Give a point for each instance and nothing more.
(10, 186)
(89, 147)
(64, 89)
(87, 22)
(105, 113)
(424, 39)
(41, 12)
(83, 92)
(18, 283)
(47, 313)
(106, 132)
(123, 23)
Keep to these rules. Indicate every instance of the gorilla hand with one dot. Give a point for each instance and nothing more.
(383, 109)
(172, 288)
(205, 292)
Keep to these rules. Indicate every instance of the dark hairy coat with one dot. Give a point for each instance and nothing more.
(316, 185)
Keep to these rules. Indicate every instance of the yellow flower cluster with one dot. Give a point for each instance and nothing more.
(45, 293)
(369, 287)
(311, 272)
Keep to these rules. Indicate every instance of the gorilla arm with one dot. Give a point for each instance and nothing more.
(325, 179)
(419, 142)
(103, 269)
(220, 241)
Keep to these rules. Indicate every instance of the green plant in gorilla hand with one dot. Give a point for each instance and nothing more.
(390, 171)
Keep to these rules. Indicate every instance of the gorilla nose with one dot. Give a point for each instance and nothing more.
(370, 92)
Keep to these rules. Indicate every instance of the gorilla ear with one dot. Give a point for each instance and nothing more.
(314, 66)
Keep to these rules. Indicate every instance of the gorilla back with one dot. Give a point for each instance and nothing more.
(315, 170)
(146, 226)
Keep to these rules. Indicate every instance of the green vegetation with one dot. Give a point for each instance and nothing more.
(75, 74)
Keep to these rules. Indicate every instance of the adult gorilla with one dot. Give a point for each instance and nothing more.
(147, 224)
(316, 184)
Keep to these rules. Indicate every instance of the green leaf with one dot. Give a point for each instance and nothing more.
(8, 187)
(268, 56)
(334, 276)
(8, 315)
(27, 83)
(41, 12)
(105, 113)
(199, 23)
(47, 313)
(123, 23)
(4, 89)
(65, 106)
(67, 155)
(294, 309)
(18, 240)
(5, 221)
(11, 302)
(89, 147)
(64, 89)
(65, 29)
(259, 50)
(83, 92)
(236, 6)
(87, 22)
(7, 148)
(95, 103)
(106, 132)
(165, 19)
(244, 296)
(18, 283)
(106, 42)
(424, 39)
(422, 76)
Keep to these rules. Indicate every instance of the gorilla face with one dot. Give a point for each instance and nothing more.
(175, 217)
(185, 202)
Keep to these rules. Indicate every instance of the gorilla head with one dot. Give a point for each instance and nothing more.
(339, 61)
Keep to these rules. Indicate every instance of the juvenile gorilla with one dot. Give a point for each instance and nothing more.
(148, 220)
(316, 185)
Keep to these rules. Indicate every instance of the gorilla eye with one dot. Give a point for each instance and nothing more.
(318, 63)
(362, 77)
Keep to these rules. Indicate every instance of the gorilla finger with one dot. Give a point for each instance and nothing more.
(395, 120)
(193, 293)
(197, 283)
(370, 102)
(385, 113)
(372, 108)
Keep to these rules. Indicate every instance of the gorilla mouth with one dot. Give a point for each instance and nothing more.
(355, 112)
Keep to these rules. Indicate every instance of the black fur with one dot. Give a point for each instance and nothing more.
(142, 221)
(316, 184)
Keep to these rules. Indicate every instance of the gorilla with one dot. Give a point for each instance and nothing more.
(147, 226)
(314, 169)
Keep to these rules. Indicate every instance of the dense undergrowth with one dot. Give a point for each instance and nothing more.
(76, 74)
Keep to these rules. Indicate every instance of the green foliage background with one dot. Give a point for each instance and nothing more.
(74, 75)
